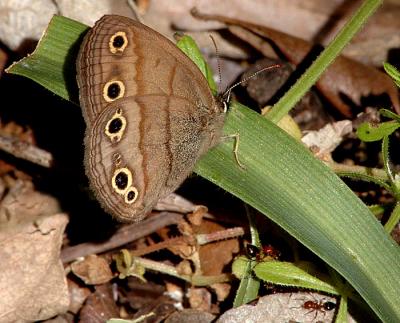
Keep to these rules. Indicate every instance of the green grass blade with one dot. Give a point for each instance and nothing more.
(248, 287)
(287, 274)
(308, 79)
(52, 64)
(302, 195)
(282, 180)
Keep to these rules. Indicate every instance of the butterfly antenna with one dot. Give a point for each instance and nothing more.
(218, 63)
(227, 93)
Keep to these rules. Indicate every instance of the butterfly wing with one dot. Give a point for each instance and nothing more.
(149, 114)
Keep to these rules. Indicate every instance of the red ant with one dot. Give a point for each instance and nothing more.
(258, 254)
(318, 306)
(270, 251)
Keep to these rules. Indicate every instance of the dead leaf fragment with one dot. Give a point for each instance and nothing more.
(200, 299)
(215, 256)
(23, 20)
(93, 270)
(87, 11)
(32, 283)
(222, 290)
(324, 141)
(345, 78)
(190, 316)
(23, 204)
(78, 296)
(100, 306)
(312, 20)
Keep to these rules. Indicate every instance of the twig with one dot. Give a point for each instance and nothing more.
(123, 236)
(24, 150)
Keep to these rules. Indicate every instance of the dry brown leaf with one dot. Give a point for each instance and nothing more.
(3, 60)
(24, 20)
(215, 256)
(88, 11)
(344, 78)
(23, 204)
(325, 140)
(200, 299)
(152, 298)
(100, 306)
(222, 290)
(77, 295)
(312, 20)
(32, 283)
(190, 316)
(93, 270)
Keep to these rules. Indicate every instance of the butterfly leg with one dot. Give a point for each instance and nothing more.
(236, 137)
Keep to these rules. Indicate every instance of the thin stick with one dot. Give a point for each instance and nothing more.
(27, 151)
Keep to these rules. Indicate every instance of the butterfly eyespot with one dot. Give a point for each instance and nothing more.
(113, 90)
(121, 180)
(118, 42)
(115, 127)
(131, 195)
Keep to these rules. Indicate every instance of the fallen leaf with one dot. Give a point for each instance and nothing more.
(216, 255)
(199, 299)
(311, 20)
(99, 306)
(32, 283)
(344, 80)
(77, 295)
(190, 316)
(93, 270)
(3, 60)
(222, 290)
(23, 20)
(324, 141)
(23, 204)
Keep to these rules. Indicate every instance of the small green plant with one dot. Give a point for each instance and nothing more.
(382, 131)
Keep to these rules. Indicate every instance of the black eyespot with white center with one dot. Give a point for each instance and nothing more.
(118, 42)
(121, 180)
(115, 125)
(113, 90)
(131, 195)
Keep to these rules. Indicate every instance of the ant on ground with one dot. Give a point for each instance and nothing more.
(316, 306)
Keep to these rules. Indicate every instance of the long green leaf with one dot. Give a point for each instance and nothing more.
(281, 179)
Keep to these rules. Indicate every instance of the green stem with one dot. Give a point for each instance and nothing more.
(255, 238)
(249, 285)
(197, 280)
(313, 73)
(393, 219)
(377, 173)
(386, 159)
(366, 178)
